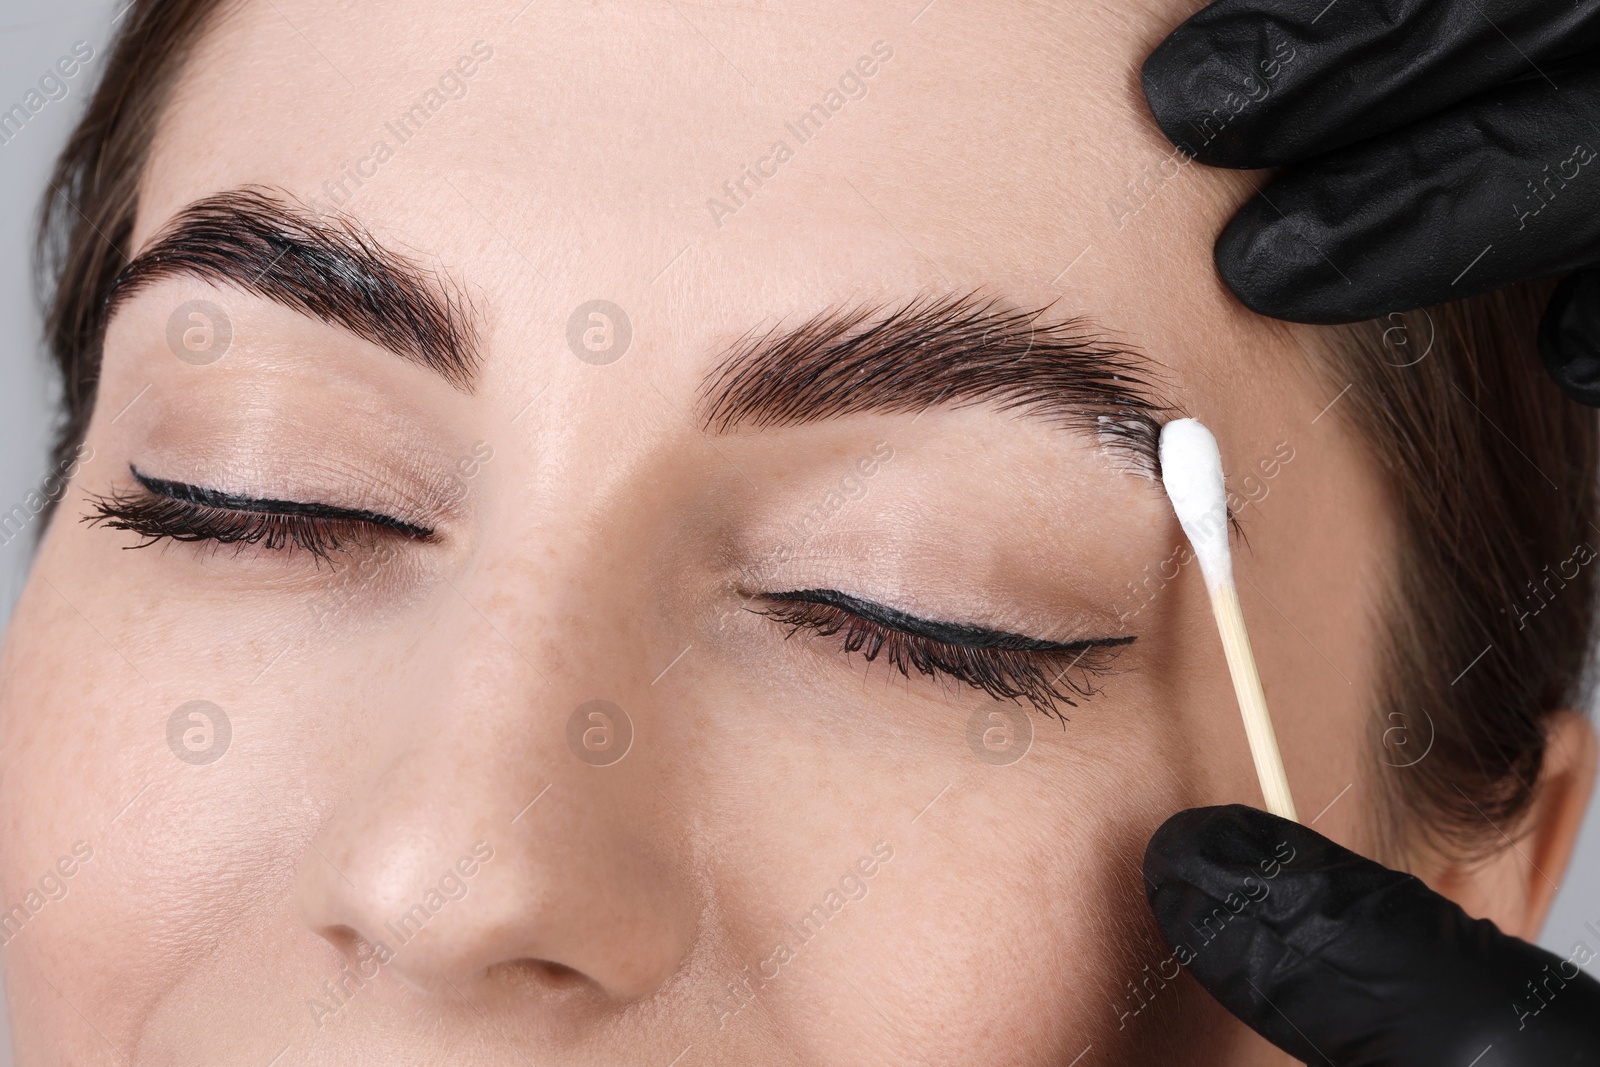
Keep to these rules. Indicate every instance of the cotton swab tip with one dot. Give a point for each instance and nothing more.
(1191, 471)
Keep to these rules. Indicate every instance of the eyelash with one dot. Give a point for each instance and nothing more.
(1043, 676)
(187, 513)
(1047, 678)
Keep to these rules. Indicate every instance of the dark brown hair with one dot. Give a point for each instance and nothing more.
(1491, 474)
(87, 217)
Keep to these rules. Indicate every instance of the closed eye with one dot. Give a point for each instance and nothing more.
(1048, 674)
(160, 510)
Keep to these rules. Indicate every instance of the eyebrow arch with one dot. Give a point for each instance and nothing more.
(326, 266)
(960, 350)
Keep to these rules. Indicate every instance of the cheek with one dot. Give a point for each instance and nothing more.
(1011, 918)
(86, 754)
(1010, 911)
(996, 916)
(71, 755)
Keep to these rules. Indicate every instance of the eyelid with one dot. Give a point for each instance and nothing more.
(160, 510)
(965, 635)
(1003, 665)
(225, 501)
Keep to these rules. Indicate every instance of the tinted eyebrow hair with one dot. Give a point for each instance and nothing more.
(961, 351)
(328, 267)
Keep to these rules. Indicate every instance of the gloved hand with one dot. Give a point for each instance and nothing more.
(1339, 960)
(1440, 148)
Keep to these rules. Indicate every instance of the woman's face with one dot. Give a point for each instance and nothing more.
(536, 766)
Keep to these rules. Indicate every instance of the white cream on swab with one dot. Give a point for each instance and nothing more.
(1191, 470)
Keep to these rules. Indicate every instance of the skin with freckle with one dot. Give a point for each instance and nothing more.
(393, 726)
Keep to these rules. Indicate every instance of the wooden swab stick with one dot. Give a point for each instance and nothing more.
(1191, 470)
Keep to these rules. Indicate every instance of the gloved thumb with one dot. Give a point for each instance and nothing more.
(1340, 960)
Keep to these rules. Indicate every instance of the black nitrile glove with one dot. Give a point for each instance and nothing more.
(1338, 960)
(1440, 148)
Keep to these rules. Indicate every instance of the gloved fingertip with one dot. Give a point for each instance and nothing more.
(1569, 337)
(1193, 845)
(1179, 78)
(1276, 269)
(1159, 78)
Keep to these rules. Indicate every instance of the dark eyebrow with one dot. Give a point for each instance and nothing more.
(325, 266)
(957, 350)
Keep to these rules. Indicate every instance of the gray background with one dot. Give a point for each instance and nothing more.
(29, 43)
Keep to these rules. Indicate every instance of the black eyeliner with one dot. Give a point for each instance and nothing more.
(950, 633)
(223, 501)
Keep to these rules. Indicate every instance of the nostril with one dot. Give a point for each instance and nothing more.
(546, 975)
(343, 938)
(353, 947)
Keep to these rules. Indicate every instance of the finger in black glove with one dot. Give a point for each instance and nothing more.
(1340, 960)
(1440, 148)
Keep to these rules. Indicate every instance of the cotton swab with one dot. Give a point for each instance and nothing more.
(1191, 470)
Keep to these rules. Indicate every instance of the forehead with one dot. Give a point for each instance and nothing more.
(740, 161)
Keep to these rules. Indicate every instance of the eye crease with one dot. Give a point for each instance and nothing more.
(1048, 674)
(168, 510)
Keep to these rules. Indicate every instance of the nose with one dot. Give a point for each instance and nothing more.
(480, 845)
